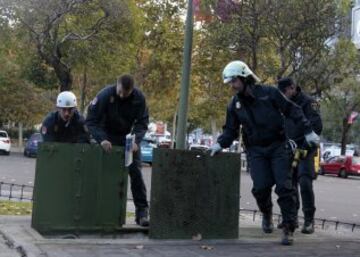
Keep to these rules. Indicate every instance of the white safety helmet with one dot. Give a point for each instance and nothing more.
(235, 69)
(66, 99)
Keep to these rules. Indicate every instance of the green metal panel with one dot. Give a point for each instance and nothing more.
(193, 193)
(79, 187)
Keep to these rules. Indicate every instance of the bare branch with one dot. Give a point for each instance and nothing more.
(57, 16)
(94, 30)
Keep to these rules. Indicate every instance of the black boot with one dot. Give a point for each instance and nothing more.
(287, 236)
(267, 223)
(308, 227)
(141, 218)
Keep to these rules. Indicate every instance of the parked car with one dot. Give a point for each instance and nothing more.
(343, 166)
(329, 150)
(198, 147)
(31, 146)
(5, 142)
(147, 147)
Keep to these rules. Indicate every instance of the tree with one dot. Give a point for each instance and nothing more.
(55, 26)
(274, 37)
(158, 60)
(209, 95)
(20, 100)
(342, 98)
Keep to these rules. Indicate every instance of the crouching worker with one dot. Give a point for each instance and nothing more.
(66, 124)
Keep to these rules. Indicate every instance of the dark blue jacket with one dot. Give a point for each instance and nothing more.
(311, 111)
(55, 129)
(262, 116)
(111, 118)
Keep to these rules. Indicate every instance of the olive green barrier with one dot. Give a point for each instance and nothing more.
(194, 195)
(79, 187)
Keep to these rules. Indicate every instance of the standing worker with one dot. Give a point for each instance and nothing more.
(260, 110)
(66, 124)
(116, 111)
(305, 170)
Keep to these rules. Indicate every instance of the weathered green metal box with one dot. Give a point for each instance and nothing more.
(193, 194)
(79, 187)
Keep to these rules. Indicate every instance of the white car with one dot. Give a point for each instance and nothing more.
(5, 143)
(198, 147)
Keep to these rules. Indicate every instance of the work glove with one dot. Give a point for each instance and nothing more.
(312, 139)
(215, 148)
(106, 145)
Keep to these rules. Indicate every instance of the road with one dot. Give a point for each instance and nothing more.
(336, 198)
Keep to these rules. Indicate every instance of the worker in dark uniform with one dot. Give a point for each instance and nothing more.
(261, 110)
(66, 124)
(304, 173)
(116, 111)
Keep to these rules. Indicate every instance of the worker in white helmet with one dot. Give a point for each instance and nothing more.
(260, 110)
(65, 124)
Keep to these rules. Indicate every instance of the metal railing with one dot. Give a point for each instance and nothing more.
(12, 191)
(17, 192)
(324, 224)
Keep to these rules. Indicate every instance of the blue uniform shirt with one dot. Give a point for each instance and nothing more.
(112, 118)
(55, 129)
(262, 115)
(311, 111)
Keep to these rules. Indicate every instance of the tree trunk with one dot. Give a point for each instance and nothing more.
(20, 134)
(83, 91)
(282, 62)
(344, 135)
(174, 130)
(213, 128)
(63, 73)
(254, 57)
(254, 38)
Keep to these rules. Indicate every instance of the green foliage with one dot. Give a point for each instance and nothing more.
(159, 58)
(209, 95)
(341, 96)
(275, 39)
(20, 100)
(36, 71)
(56, 26)
(89, 44)
(15, 208)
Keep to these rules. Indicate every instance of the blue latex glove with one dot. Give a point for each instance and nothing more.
(215, 148)
(312, 139)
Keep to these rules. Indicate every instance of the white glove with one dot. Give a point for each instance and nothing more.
(106, 145)
(312, 138)
(215, 149)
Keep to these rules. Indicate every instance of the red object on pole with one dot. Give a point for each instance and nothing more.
(200, 15)
(196, 4)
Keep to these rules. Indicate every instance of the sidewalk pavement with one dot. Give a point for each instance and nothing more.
(17, 239)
